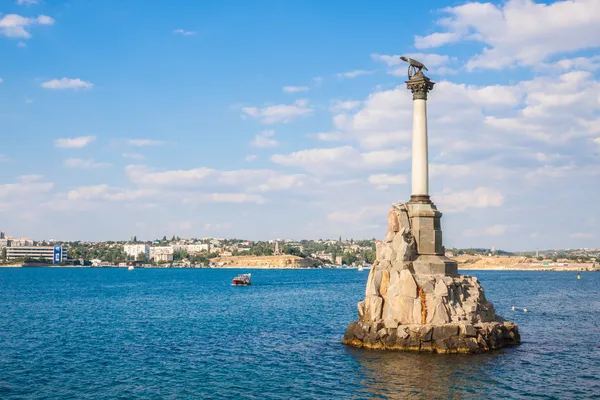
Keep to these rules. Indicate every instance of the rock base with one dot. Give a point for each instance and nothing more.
(444, 339)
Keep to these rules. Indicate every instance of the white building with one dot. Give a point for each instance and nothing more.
(134, 250)
(197, 248)
(161, 253)
(54, 254)
(20, 242)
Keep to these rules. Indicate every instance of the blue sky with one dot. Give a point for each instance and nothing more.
(290, 119)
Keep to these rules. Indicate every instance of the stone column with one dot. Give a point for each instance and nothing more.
(420, 85)
(424, 216)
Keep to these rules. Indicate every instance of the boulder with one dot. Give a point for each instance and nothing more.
(390, 323)
(417, 311)
(393, 221)
(468, 330)
(408, 286)
(401, 309)
(444, 332)
(437, 312)
(440, 288)
(385, 281)
(372, 306)
(426, 333)
(373, 283)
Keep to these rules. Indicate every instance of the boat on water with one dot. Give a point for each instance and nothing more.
(241, 280)
(131, 268)
(360, 268)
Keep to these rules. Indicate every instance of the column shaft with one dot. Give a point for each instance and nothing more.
(420, 162)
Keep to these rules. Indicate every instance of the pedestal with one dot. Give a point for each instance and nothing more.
(426, 227)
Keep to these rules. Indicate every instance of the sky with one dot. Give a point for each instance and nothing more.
(265, 119)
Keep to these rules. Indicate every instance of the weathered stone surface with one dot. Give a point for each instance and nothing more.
(440, 288)
(373, 283)
(390, 323)
(402, 309)
(418, 302)
(417, 311)
(468, 330)
(437, 313)
(408, 286)
(444, 331)
(426, 333)
(372, 306)
(393, 221)
(385, 281)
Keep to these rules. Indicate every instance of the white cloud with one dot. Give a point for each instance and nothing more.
(133, 156)
(67, 83)
(74, 143)
(250, 157)
(328, 136)
(141, 175)
(27, 2)
(145, 142)
(235, 198)
(183, 32)
(265, 139)
(14, 25)
(435, 40)
(459, 201)
(108, 193)
(340, 159)
(382, 181)
(3, 158)
(519, 31)
(494, 230)
(295, 89)
(27, 186)
(279, 113)
(81, 163)
(354, 74)
(347, 105)
(1, 80)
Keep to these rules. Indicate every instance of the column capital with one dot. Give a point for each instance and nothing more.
(419, 85)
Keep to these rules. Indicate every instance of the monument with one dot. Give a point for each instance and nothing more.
(415, 299)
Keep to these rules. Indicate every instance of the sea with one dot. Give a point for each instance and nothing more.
(188, 334)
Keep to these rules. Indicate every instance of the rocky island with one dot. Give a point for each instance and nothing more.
(415, 300)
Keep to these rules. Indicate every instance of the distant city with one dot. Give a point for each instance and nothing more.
(203, 252)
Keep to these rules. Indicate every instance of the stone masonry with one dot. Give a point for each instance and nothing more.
(415, 299)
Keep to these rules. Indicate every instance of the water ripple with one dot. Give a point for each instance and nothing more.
(171, 334)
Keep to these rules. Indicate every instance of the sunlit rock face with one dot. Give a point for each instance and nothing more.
(428, 308)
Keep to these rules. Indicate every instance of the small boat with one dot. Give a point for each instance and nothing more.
(360, 268)
(242, 280)
(131, 268)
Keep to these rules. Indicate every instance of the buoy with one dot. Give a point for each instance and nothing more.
(524, 310)
(513, 308)
(131, 268)
(578, 276)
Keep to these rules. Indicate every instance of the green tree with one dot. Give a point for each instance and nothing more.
(4, 254)
(348, 258)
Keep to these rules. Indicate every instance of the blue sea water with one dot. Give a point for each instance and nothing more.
(171, 334)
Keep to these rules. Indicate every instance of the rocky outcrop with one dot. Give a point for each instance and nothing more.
(402, 308)
(434, 338)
